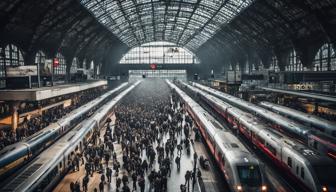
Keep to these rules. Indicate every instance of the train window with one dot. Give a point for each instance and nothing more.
(320, 129)
(315, 144)
(249, 175)
(234, 145)
(302, 172)
(261, 140)
(60, 165)
(218, 155)
(289, 162)
(333, 133)
(270, 148)
(297, 170)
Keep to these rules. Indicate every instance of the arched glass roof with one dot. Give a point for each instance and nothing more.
(187, 23)
(159, 52)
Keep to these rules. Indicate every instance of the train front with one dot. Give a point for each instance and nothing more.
(249, 176)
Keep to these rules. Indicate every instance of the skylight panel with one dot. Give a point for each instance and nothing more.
(182, 20)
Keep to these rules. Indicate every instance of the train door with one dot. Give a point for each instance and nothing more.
(80, 147)
(253, 137)
(222, 162)
(287, 160)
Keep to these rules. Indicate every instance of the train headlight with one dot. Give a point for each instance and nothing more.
(239, 188)
(324, 189)
(264, 188)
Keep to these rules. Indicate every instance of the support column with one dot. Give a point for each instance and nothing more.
(14, 106)
(68, 61)
(316, 108)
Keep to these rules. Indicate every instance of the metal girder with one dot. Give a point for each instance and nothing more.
(42, 17)
(175, 21)
(186, 25)
(165, 17)
(191, 37)
(91, 30)
(58, 21)
(127, 19)
(10, 14)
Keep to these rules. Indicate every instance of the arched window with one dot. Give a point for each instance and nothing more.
(84, 64)
(98, 69)
(325, 59)
(230, 67)
(260, 65)
(160, 52)
(74, 65)
(40, 58)
(2, 68)
(253, 67)
(237, 67)
(91, 65)
(13, 56)
(294, 62)
(274, 66)
(61, 68)
(247, 67)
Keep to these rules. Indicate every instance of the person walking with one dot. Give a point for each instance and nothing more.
(141, 183)
(108, 174)
(101, 186)
(178, 163)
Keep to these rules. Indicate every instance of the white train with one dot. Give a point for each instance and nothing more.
(291, 128)
(322, 125)
(46, 169)
(15, 155)
(241, 169)
(312, 170)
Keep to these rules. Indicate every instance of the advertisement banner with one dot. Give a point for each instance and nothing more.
(21, 71)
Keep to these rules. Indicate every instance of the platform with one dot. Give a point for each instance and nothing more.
(320, 97)
(174, 181)
(37, 94)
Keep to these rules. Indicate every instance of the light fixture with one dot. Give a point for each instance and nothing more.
(324, 189)
(239, 188)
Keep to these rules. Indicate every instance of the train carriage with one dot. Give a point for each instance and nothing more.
(48, 167)
(14, 156)
(240, 168)
(304, 134)
(301, 163)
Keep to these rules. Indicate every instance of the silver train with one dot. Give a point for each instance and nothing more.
(302, 94)
(291, 128)
(15, 155)
(47, 168)
(241, 169)
(312, 170)
(318, 123)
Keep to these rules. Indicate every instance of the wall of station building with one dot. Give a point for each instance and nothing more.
(191, 69)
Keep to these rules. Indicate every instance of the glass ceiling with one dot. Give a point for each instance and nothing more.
(159, 52)
(187, 23)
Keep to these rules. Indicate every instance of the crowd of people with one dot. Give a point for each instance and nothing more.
(31, 125)
(153, 133)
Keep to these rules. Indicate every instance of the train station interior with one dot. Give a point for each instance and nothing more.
(168, 95)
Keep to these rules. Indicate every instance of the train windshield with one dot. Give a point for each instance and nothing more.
(324, 174)
(249, 175)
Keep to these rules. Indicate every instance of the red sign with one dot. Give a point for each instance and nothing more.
(153, 66)
(56, 62)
